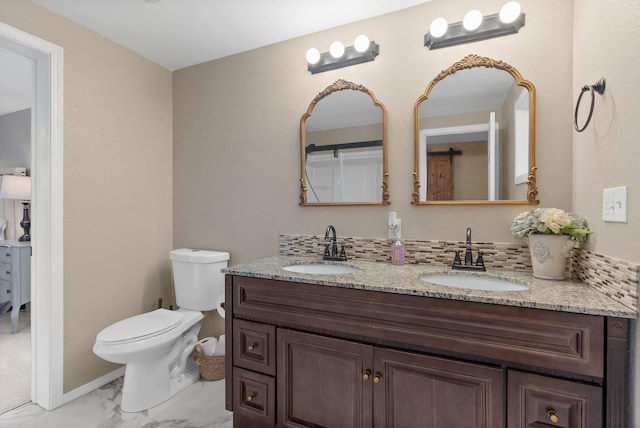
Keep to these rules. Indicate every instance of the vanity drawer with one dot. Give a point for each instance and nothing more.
(254, 402)
(5, 254)
(5, 271)
(254, 346)
(541, 401)
(5, 291)
(567, 342)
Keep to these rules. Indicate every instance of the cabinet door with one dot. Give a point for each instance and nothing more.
(323, 382)
(539, 401)
(412, 390)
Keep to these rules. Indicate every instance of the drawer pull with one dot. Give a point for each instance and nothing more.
(252, 347)
(366, 375)
(376, 378)
(8, 272)
(553, 416)
(251, 397)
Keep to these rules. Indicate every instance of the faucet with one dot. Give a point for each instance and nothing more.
(331, 240)
(468, 257)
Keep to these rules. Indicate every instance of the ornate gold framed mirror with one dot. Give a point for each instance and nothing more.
(343, 148)
(474, 136)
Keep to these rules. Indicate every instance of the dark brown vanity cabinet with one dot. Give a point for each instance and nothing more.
(304, 355)
(331, 382)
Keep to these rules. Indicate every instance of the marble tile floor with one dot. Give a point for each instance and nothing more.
(199, 406)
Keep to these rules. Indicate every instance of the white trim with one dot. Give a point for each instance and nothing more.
(432, 132)
(493, 159)
(93, 385)
(47, 215)
(521, 138)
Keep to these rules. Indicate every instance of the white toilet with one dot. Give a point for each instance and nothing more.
(156, 346)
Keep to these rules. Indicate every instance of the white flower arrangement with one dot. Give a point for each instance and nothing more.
(550, 221)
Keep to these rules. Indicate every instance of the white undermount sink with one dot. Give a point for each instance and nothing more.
(321, 268)
(472, 282)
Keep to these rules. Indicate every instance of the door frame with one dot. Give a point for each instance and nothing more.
(47, 322)
(466, 133)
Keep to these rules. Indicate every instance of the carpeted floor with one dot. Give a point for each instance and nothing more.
(15, 362)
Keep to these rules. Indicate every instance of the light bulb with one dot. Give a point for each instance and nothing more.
(438, 27)
(472, 20)
(510, 12)
(336, 49)
(313, 56)
(361, 43)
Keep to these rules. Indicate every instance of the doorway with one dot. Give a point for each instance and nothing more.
(46, 216)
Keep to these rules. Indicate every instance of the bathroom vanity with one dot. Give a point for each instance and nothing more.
(380, 347)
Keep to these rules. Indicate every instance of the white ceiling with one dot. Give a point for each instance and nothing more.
(181, 33)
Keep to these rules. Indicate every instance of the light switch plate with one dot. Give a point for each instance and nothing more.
(614, 204)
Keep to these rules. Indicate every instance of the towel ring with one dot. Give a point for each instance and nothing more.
(597, 87)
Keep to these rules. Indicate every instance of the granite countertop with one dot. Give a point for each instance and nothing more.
(565, 296)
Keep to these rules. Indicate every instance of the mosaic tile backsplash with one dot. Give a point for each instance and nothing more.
(616, 278)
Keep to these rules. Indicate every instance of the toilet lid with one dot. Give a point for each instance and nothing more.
(138, 326)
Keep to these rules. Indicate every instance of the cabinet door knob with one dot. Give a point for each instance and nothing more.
(8, 272)
(252, 347)
(251, 397)
(376, 378)
(366, 375)
(553, 416)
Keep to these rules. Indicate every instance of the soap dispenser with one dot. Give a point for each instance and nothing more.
(397, 253)
(397, 249)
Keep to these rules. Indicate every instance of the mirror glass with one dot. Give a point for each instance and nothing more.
(474, 137)
(343, 148)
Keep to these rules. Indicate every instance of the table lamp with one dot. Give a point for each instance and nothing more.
(19, 188)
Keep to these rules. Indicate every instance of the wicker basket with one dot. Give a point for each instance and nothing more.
(211, 366)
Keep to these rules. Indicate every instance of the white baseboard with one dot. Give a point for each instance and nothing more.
(93, 385)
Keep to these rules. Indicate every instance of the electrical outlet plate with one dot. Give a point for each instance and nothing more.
(396, 232)
(614, 204)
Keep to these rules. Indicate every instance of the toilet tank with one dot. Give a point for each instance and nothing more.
(197, 279)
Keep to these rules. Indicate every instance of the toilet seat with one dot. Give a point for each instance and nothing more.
(140, 327)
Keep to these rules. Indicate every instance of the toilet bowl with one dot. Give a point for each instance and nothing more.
(156, 346)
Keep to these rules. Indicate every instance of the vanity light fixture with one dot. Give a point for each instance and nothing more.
(340, 56)
(475, 27)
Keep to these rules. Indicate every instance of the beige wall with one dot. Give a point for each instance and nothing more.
(236, 142)
(117, 183)
(607, 44)
(236, 146)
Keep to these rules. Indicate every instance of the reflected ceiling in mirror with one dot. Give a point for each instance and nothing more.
(474, 136)
(343, 155)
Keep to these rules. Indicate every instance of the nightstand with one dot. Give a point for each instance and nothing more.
(15, 277)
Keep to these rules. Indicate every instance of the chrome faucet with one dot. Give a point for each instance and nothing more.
(332, 241)
(468, 257)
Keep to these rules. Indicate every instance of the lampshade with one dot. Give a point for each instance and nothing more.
(15, 187)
